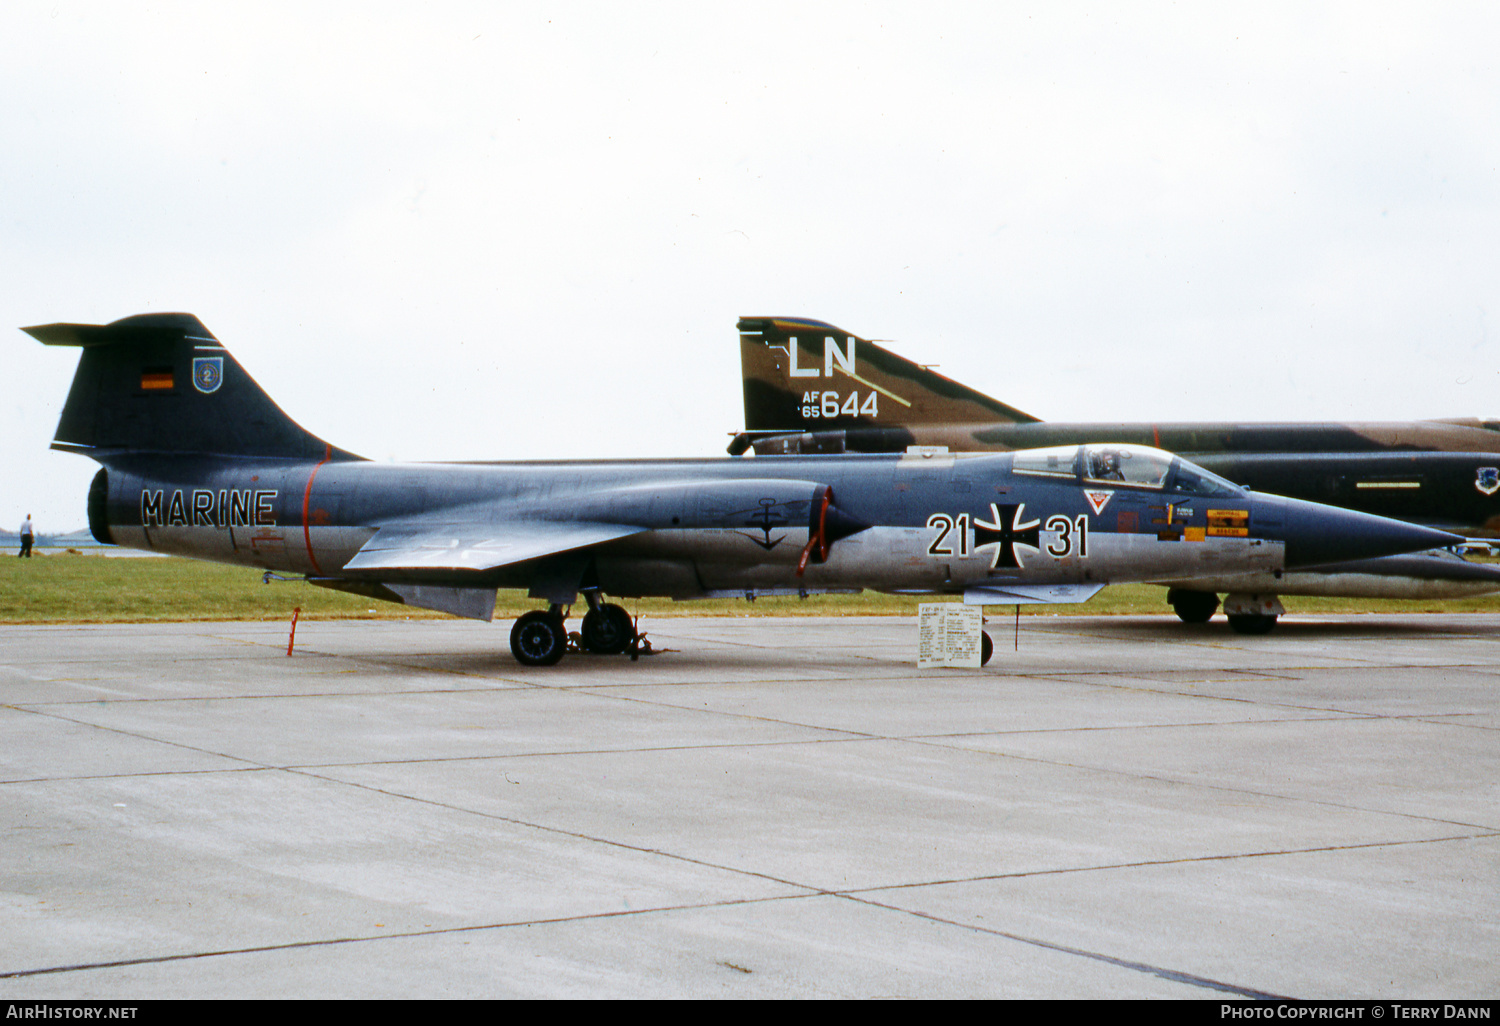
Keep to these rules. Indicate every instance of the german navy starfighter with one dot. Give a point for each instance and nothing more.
(813, 388)
(196, 460)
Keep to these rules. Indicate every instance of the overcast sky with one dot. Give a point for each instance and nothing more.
(525, 230)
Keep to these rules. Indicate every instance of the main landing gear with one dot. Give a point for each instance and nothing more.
(540, 638)
(606, 630)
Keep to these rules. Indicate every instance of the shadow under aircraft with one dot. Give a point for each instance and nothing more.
(196, 460)
(811, 387)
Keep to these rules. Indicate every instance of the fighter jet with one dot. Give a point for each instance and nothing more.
(196, 460)
(813, 388)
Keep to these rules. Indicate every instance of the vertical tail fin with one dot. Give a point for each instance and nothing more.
(163, 383)
(805, 375)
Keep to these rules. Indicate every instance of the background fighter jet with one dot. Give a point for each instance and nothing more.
(198, 461)
(813, 388)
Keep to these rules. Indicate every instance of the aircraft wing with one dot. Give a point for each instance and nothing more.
(478, 545)
(1021, 594)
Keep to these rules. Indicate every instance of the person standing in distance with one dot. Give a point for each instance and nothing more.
(26, 535)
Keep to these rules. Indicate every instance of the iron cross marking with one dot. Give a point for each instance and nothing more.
(1005, 532)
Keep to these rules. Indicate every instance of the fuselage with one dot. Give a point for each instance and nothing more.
(936, 524)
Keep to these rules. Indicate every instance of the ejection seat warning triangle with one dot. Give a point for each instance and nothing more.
(948, 634)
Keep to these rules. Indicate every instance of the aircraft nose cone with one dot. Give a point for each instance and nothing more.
(1316, 534)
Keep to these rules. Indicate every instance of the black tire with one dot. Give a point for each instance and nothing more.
(538, 639)
(607, 630)
(1193, 606)
(1251, 623)
(986, 648)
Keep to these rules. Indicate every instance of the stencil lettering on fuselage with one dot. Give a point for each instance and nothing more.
(202, 507)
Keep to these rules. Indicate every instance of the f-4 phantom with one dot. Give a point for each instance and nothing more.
(813, 388)
(196, 460)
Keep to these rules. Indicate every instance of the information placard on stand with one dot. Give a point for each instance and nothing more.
(948, 634)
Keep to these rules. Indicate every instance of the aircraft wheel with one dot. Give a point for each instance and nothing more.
(607, 630)
(1251, 623)
(1193, 606)
(538, 639)
(986, 648)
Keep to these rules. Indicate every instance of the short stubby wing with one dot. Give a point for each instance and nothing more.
(1024, 594)
(415, 545)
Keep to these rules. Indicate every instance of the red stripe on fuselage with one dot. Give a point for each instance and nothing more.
(306, 498)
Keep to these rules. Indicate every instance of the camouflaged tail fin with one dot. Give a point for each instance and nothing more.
(806, 375)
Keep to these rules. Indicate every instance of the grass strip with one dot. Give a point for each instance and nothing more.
(74, 588)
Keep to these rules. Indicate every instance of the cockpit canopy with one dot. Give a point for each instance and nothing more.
(1124, 464)
(1134, 466)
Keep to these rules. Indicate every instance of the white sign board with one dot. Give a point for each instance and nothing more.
(948, 634)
